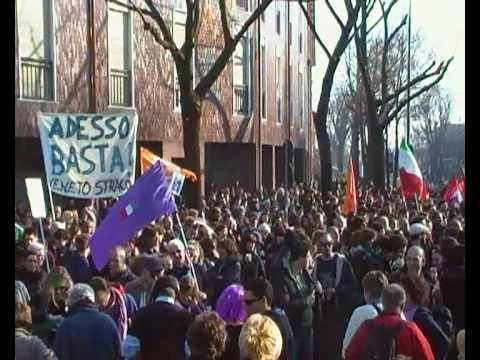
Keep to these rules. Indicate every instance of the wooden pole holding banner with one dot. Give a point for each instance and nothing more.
(51, 200)
(184, 240)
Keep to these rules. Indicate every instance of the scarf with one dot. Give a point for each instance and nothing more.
(117, 310)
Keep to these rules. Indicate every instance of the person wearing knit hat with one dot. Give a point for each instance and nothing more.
(87, 333)
(419, 234)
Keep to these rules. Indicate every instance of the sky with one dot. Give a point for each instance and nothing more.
(441, 24)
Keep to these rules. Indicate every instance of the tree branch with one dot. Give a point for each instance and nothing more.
(397, 29)
(423, 76)
(332, 10)
(312, 27)
(227, 38)
(404, 102)
(196, 20)
(207, 81)
(167, 35)
(130, 7)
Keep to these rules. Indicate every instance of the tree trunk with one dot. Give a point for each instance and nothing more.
(387, 158)
(341, 154)
(354, 151)
(320, 121)
(395, 171)
(363, 147)
(376, 155)
(191, 117)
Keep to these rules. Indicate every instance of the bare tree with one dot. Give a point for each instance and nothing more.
(383, 105)
(340, 123)
(432, 115)
(192, 95)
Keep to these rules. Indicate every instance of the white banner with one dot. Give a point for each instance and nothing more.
(89, 155)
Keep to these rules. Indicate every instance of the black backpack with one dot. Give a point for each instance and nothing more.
(381, 341)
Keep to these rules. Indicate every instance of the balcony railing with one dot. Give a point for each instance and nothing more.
(242, 4)
(37, 79)
(240, 95)
(120, 89)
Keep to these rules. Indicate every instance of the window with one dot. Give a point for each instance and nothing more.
(205, 57)
(240, 77)
(279, 87)
(243, 4)
(179, 5)
(289, 33)
(35, 29)
(119, 57)
(300, 43)
(264, 82)
(300, 101)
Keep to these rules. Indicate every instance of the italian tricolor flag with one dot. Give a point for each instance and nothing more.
(411, 181)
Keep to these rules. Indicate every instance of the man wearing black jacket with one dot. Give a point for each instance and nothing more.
(161, 326)
(258, 299)
(294, 291)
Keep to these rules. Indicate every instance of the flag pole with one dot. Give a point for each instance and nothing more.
(45, 246)
(51, 200)
(184, 240)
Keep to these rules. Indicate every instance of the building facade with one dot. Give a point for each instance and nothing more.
(92, 56)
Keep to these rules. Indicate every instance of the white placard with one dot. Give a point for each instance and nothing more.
(89, 155)
(35, 197)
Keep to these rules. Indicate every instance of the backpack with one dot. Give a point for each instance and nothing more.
(381, 341)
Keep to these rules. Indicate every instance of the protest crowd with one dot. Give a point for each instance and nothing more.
(278, 274)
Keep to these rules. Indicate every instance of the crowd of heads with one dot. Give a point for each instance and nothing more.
(221, 271)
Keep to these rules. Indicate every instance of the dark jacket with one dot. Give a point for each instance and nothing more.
(89, 334)
(252, 269)
(436, 337)
(288, 344)
(161, 328)
(227, 272)
(33, 282)
(232, 351)
(290, 297)
(452, 286)
(80, 269)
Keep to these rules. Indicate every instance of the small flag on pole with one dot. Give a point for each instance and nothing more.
(148, 198)
(148, 158)
(350, 201)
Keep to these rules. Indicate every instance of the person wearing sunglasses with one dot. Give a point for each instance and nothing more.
(258, 299)
(339, 295)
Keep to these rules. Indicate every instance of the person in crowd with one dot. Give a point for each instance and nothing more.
(338, 297)
(230, 308)
(141, 288)
(86, 333)
(260, 339)
(207, 337)
(452, 284)
(151, 240)
(228, 268)
(258, 299)
(176, 250)
(294, 291)
(252, 264)
(29, 237)
(53, 306)
(111, 301)
(80, 263)
(117, 270)
(416, 311)
(189, 297)
(415, 268)
(159, 329)
(373, 284)
(419, 234)
(27, 346)
(32, 275)
(388, 328)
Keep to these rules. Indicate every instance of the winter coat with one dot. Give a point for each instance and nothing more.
(28, 347)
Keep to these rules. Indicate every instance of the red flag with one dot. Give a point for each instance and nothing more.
(350, 201)
(455, 190)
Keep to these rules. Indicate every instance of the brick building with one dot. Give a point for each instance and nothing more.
(92, 56)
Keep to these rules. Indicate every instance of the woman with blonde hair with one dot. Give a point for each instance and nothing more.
(260, 339)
